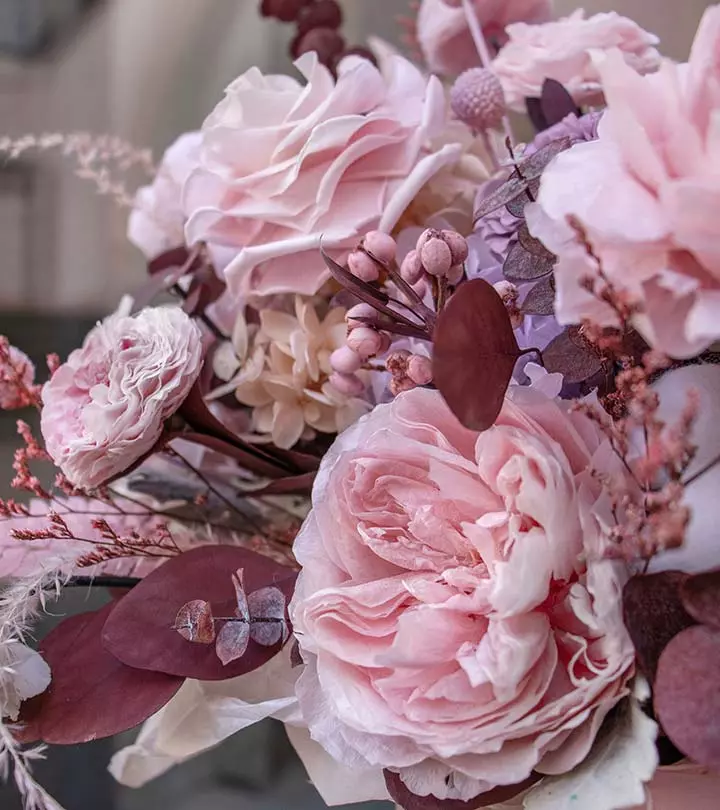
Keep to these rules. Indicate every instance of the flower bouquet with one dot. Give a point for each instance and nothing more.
(410, 439)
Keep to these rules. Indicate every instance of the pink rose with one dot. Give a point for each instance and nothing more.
(452, 613)
(285, 165)
(444, 36)
(106, 406)
(646, 191)
(563, 50)
(157, 221)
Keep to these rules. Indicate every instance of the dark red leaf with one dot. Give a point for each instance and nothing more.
(556, 103)
(541, 298)
(686, 694)
(533, 106)
(409, 801)
(140, 631)
(523, 266)
(194, 622)
(175, 257)
(575, 361)
(296, 659)
(654, 615)
(700, 595)
(474, 354)
(92, 695)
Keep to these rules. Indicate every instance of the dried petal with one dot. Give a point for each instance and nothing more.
(267, 614)
(686, 695)
(654, 615)
(541, 298)
(194, 622)
(523, 266)
(232, 641)
(700, 595)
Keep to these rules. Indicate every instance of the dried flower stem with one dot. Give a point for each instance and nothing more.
(19, 760)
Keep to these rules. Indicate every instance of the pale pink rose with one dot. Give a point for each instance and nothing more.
(444, 36)
(563, 50)
(647, 191)
(286, 164)
(452, 613)
(157, 222)
(105, 408)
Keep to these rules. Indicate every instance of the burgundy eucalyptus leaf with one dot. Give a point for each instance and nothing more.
(576, 362)
(654, 615)
(533, 106)
(194, 622)
(174, 258)
(523, 266)
(409, 801)
(518, 182)
(686, 694)
(267, 614)
(517, 206)
(556, 103)
(296, 659)
(533, 245)
(92, 695)
(700, 595)
(232, 641)
(140, 631)
(541, 298)
(474, 354)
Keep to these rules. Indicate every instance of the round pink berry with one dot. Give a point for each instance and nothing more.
(478, 100)
(411, 268)
(362, 266)
(426, 236)
(364, 341)
(400, 384)
(345, 360)
(381, 245)
(456, 274)
(386, 342)
(436, 257)
(419, 369)
(397, 362)
(360, 311)
(349, 384)
(458, 246)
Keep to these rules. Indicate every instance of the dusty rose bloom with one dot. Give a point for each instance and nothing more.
(157, 221)
(444, 36)
(286, 164)
(452, 614)
(647, 192)
(17, 377)
(105, 407)
(562, 50)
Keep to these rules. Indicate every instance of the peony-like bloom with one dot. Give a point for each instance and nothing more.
(455, 620)
(285, 165)
(444, 36)
(105, 408)
(646, 192)
(563, 50)
(157, 221)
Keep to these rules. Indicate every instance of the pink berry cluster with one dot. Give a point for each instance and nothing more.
(438, 254)
(317, 24)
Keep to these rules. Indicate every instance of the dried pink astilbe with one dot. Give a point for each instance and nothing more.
(25, 480)
(97, 157)
(17, 379)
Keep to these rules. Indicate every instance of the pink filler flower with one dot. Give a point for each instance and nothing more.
(105, 408)
(17, 378)
(452, 615)
(647, 192)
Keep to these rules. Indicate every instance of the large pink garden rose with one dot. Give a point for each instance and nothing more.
(444, 36)
(285, 164)
(563, 50)
(455, 621)
(105, 408)
(648, 192)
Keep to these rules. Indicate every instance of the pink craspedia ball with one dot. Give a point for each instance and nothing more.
(477, 99)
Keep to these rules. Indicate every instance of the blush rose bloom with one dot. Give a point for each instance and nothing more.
(562, 50)
(452, 614)
(647, 192)
(105, 408)
(285, 164)
(157, 221)
(444, 36)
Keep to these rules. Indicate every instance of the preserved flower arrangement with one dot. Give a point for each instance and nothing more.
(422, 458)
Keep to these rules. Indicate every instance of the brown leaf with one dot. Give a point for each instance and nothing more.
(575, 361)
(474, 354)
(541, 298)
(409, 801)
(195, 623)
(523, 266)
(700, 595)
(686, 694)
(654, 615)
(92, 695)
